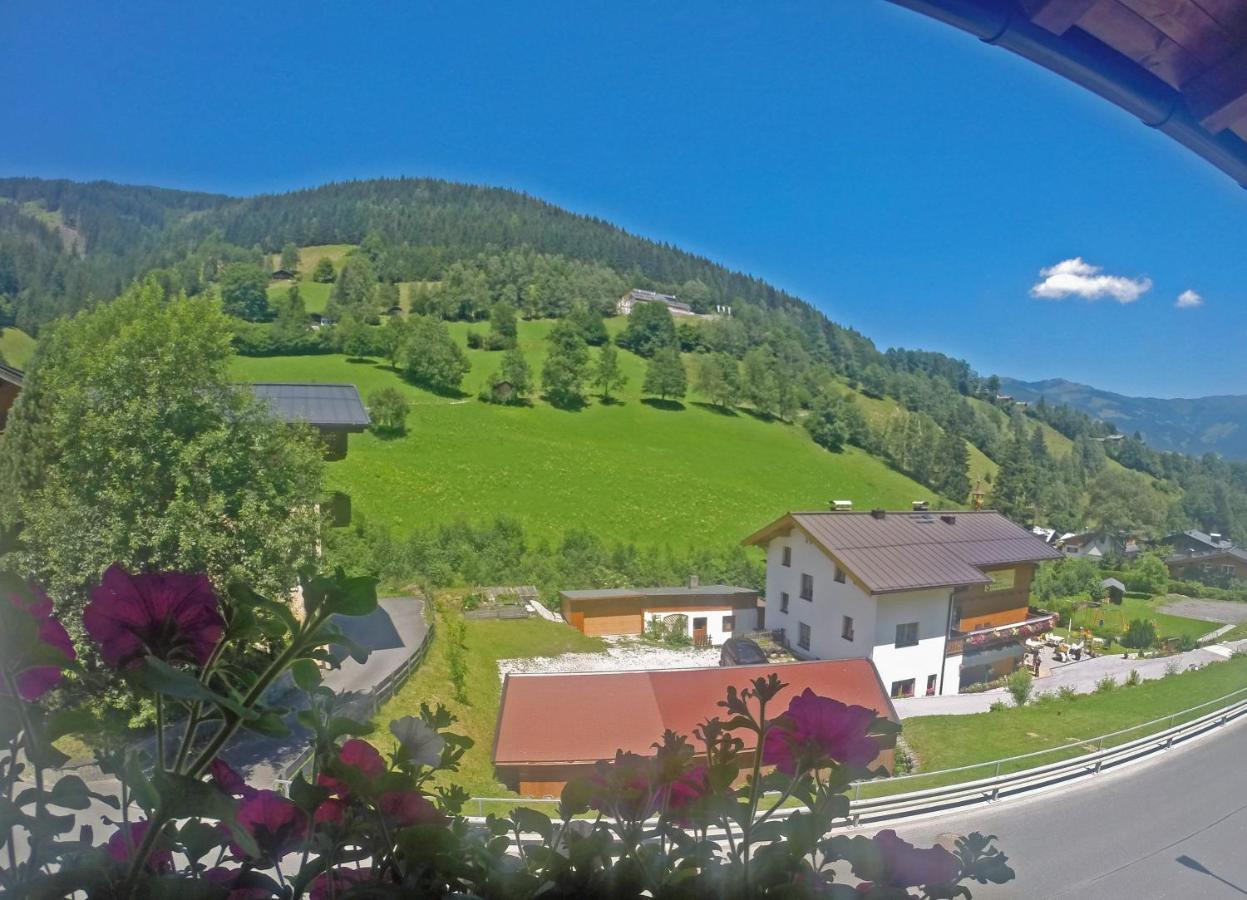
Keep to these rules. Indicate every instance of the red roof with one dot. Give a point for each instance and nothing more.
(586, 716)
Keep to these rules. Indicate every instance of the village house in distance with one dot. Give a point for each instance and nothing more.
(937, 600)
(678, 308)
(708, 614)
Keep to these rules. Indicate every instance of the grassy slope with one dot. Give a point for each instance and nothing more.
(314, 294)
(16, 346)
(943, 742)
(690, 476)
(487, 642)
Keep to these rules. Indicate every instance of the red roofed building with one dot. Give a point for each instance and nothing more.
(554, 727)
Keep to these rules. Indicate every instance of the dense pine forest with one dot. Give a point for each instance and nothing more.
(455, 252)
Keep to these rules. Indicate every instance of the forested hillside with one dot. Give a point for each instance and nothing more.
(438, 251)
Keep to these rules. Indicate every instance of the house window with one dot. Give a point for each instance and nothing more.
(803, 636)
(786, 559)
(783, 601)
(846, 628)
(931, 679)
(907, 635)
(839, 576)
(729, 623)
(807, 587)
(902, 688)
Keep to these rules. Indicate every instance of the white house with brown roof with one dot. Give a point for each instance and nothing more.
(938, 601)
(708, 613)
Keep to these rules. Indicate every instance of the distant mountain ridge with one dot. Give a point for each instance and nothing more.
(1216, 424)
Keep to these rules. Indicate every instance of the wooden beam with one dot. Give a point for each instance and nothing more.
(1056, 16)
(1218, 97)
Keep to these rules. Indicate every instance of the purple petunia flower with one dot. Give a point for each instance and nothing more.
(409, 808)
(173, 616)
(359, 755)
(817, 729)
(126, 839)
(228, 780)
(342, 880)
(276, 824)
(31, 672)
(899, 864)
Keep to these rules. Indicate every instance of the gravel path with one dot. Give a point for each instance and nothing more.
(622, 656)
(1222, 611)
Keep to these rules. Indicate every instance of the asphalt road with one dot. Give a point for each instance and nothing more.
(1172, 827)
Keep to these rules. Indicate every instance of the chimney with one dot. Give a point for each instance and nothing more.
(878, 513)
(948, 519)
(694, 581)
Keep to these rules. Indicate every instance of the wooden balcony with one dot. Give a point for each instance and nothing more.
(960, 641)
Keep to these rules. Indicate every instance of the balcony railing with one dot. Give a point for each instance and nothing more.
(959, 641)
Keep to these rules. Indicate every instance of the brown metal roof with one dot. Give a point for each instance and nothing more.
(710, 591)
(905, 551)
(579, 717)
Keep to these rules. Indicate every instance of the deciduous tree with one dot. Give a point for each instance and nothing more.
(665, 376)
(607, 376)
(244, 291)
(433, 359)
(567, 366)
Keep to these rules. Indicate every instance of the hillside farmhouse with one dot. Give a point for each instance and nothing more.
(1185, 543)
(710, 613)
(1230, 563)
(938, 601)
(553, 727)
(628, 302)
(10, 385)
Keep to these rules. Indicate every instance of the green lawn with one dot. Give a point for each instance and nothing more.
(945, 742)
(487, 642)
(16, 346)
(1131, 608)
(689, 475)
(315, 295)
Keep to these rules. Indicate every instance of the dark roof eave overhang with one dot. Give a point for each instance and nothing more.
(1087, 61)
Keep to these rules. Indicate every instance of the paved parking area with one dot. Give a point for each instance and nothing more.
(1223, 611)
(624, 655)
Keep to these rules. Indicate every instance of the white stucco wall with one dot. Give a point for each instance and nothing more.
(930, 610)
(874, 618)
(714, 622)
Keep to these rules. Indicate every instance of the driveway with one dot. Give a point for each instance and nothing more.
(1081, 676)
(623, 655)
(1222, 611)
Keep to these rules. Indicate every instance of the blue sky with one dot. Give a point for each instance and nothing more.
(898, 174)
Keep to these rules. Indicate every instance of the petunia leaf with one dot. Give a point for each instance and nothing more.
(306, 674)
(157, 675)
(183, 797)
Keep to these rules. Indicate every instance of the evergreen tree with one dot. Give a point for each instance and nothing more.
(355, 291)
(650, 328)
(566, 368)
(952, 475)
(665, 376)
(718, 377)
(387, 296)
(758, 381)
(825, 425)
(324, 271)
(1011, 491)
(291, 322)
(607, 376)
(290, 257)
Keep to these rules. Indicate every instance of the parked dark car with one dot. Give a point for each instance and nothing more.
(741, 652)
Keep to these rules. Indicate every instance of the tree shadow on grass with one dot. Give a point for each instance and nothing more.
(759, 415)
(361, 360)
(715, 408)
(441, 390)
(566, 404)
(669, 405)
(388, 434)
(611, 401)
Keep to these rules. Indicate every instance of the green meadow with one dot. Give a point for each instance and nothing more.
(680, 474)
(16, 346)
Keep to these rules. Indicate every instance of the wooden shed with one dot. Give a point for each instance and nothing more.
(714, 612)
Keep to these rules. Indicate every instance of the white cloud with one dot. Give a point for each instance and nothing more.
(1188, 299)
(1074, 277)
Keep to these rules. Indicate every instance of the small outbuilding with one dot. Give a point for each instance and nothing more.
(333, 410)
(1114, 590)
(711, 613)
(282, 275)
(555, 726)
